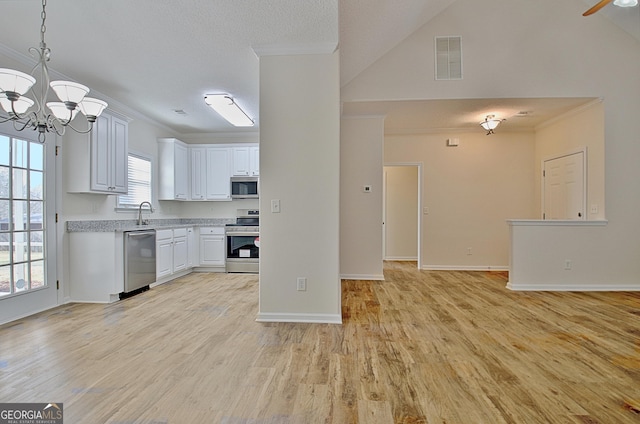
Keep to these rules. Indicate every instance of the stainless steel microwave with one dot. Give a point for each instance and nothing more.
(244, 188)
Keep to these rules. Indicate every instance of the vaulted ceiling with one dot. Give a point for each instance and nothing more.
(160, 57)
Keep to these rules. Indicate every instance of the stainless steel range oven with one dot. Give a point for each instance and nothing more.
(243, 242)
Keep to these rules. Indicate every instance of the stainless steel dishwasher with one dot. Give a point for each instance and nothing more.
(139, 260)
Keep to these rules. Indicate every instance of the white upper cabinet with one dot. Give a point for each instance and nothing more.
(246, 161)
(109, 149)
(254, 161)
(198, 173)
(210, 173)
(99, 165)
(203, 172)
(241, 161)
(218, 173)
(173, 162)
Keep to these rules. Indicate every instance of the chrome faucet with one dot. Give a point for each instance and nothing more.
(140, 222)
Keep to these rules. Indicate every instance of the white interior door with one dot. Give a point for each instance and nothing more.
(564, 187)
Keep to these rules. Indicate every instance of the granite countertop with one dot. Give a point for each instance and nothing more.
(102, 226)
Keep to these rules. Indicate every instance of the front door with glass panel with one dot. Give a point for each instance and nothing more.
(26, 228)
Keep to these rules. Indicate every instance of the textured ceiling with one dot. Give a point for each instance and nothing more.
(158, 56)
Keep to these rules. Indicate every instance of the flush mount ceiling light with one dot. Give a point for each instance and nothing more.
(490, 123)
(228, 109)
(56, 116)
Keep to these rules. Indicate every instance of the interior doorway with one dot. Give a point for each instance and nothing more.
(401, 212)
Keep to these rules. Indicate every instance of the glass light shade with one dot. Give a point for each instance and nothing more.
(228, 109)
(61, 112)
(626, 3)
(68, 91)
(92, 107)
(15, 81)
(20, 106)
(490, 124)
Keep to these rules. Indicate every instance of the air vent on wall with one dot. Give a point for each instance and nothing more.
(448, 58)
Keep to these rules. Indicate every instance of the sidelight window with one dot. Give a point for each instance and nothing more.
(22, 211)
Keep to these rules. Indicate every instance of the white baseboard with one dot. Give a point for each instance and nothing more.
(465, 268)
(219, 269)
(171, 277)
(402, 258)
(570, 287)
(26, 314)
(303, 318)
(377, 277)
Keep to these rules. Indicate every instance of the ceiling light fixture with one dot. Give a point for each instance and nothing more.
(228, 109)
(58, 115)
(490, 123)
(626, 3)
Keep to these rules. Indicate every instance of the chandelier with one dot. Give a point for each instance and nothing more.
(38, 114)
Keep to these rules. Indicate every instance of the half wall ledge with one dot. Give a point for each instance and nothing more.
(560, 255)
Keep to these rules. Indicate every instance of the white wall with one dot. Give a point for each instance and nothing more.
(361, 251)
(300, 167)
(470, 191)
(401, 213)
(583, 128)
(537, 49)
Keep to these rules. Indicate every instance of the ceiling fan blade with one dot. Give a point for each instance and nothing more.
(597, 7)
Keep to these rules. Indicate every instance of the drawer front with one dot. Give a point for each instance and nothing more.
(179, 232)
(212, 230)
(164, 234)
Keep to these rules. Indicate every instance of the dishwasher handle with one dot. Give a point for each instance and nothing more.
(140, 233)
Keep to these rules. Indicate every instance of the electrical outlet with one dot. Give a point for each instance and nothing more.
(469, 251)
(567, 264)
(301, 284)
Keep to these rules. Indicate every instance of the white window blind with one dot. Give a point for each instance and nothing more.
(139, 189)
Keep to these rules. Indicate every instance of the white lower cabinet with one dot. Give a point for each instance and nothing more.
(164, 253)
(96, 273)
(192, 253)
(212, 247)
(180, 251)
(172, 252)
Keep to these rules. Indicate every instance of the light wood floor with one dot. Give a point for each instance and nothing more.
(420, 347)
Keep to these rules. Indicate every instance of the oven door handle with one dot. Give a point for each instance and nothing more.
(243, 233)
